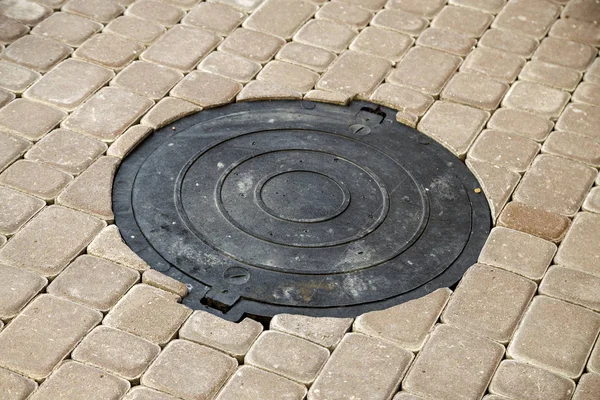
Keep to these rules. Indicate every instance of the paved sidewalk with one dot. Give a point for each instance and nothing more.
(511, 87)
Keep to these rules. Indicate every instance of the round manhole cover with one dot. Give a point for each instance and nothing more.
(278, 207)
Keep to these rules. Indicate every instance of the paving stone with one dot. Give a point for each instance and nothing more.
(382, 43)
(551, 75)
(578, 31)
(147, 79)
(406, 325)
(371, 5)
(109, 50)
(11, 148)
(137, 29)
(580, 118)
(527, 17)
(43, 334)
(157, 279)
(594, 361)
(489, 302)
(497, 183)
(593, 72)
(576, 147)
(128, 141)
(328, 97)
(407, 119)
(69, 29)
(586, 10)
(325, 34)
(426, 8)
(16, 117)
(11, 30)
(588, 387)
(446, 40)
(156, 11)
(454, 125)
(474, 90)
(206, 89)
(346, 14)
(15, 386)
(181, 48)
(425, 70)
(72, 380)
(407, 396)
(508, 41)
(304, 55)
(522, 123)
(262, 90)
(164, 112)
(490, 6)
(401, 98)
(244, 5)
(534, 221)
(290, 75)
(150, 313)
(3, 240)
(109, 245)
(400, 21)
(453, 365)
(35, 178)
(536, 98)
(282, 18)
(55, 4)
(25, 12)
(189, 370)
(143, 393)
(16, 78)
(98, 10)
(504, 149)
(592, 201)
(215, 17)
(16, 208)
(69, 84)
(555, 184)
(19, 286)
(342, 375)
(572, 286)
(119, 109)
(494, 397)
(566, 53)
(517, 252)
(327, 332)
(94, 282)
(528, 382)
(118, 352)
(587, 93)
(555, 335)
(229, 65)
(577, 251)
(255, 384)
(462, 19)
(256, 46)
(234, 339)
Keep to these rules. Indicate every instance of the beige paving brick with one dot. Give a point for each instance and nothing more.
(16, 117)
(401, 98)
(406, 396)
(576, 30)
(16, 208)
(307, 56)
(118, 352)
(342, 375)
(408, 324)
(494, 397)
(328, 97)
(446, 40)
(535, 221)
(474, 90)
(48, 254)
(262, 90)
(230, 66)
(128, 141)
(577, 251)
(109, 50)
(11, 148)
(522, 123)
(504, 149)
(19, 286)
(454, 125)
(75, 380)
(566, 53)
(528, 382)
(580, 118)
(382, 43)
(551, 75)
(11, 30)
(189, 370)
(98, 10)
(426, 8)
(555, 184)
(327, 332)
(69, 29)
(527, 17)
(587, 93)
(156, 11)
(290, 75)
(425, 70)
(147, 79)
(281, 18)
(453, 365)
(3, 240)
(592, 201)
(55, 4)
(586, 10)
(256, 46)
(35, 178)
(157, 279)
(69, 84)
(371, 5)
(576, 147)
(119, 109)
(6, 97)
(539, 99)
(555, 335)
(508, 41)
(150, 313)
(594, 361)
(215, 17)
(243, 5)
(407, 119)
(43, 334)
(489, 302)
(350, 15)
(143, 393)
(181, 48)
(25, 12)
(341, 76)
(16, 78)
(490, 6)
(517, 252)
(137, 29)
(93, 282)
(465, 20)
(109, 245)
(588, 387)
(572, 286)
(15, 386)
(255, 384)
(593, 72)
(497, 183)
(325, 34)
(166, 111)
(400, 21)
(206, 89)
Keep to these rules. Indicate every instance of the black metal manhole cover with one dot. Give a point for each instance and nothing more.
(271, 207)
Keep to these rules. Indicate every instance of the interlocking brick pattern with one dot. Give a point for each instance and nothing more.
(510, 86)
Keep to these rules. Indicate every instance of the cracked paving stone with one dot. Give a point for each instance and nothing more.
(16, 208)
(35, 178)
(577, 251)
(219, 18)
(251, 383)
(108, 244)
(534, 221)
(572, 286)
(29, 119)
(19, 286)
(281, 18)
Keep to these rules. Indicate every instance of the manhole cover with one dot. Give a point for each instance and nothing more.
(272, 207)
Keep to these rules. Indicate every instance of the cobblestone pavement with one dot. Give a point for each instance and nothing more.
(511, 87)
